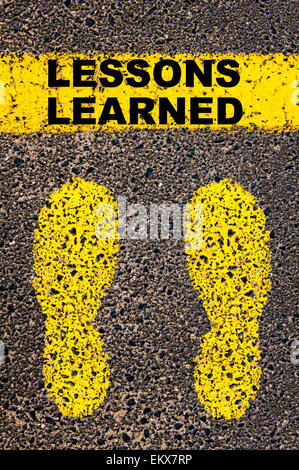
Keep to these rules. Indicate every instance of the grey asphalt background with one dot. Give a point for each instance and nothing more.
(151, 319)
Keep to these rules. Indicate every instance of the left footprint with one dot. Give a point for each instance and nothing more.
(73, 266)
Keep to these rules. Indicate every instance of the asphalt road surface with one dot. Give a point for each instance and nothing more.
(151, 319)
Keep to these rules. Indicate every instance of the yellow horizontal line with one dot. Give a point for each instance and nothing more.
(267, 91)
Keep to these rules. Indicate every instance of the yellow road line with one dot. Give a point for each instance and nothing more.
(265, 91)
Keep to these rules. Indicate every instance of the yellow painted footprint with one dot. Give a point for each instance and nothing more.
(73, 266)
(230, 269)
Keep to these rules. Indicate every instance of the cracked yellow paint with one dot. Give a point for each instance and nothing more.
(231, 272)
(2, 93)
(264, 91)
(73, 267)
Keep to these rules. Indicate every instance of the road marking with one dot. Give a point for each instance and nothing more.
(2, 93)
(263, 90)
(231, 272)
(73, 268)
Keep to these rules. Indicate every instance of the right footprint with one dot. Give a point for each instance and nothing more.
(230, 268)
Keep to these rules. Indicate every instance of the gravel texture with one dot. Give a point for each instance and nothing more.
(151, 319)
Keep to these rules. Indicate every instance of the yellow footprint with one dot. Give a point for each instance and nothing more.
(230, 270)
(73, 266)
